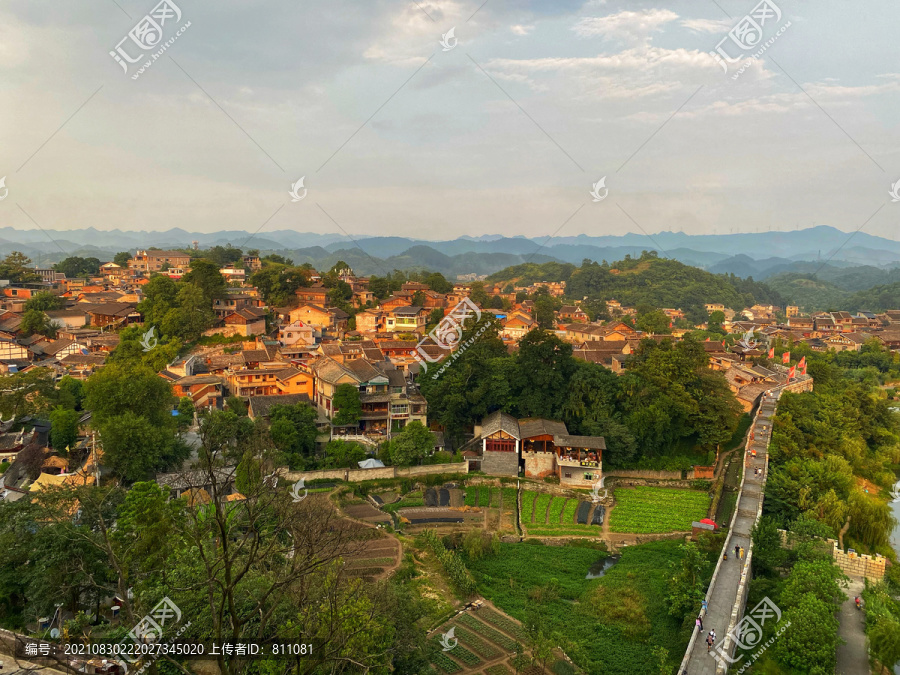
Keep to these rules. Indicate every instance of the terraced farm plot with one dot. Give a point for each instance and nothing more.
(556, 509)
(528, 499)
(643, 510)
(540, 508)
(486, 642)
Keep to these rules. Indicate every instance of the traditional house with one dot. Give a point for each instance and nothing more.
(297, 332)
(370, 321)
(539, 448)
(405, 319)
(269, 381)
(315, 295)
(232, 302)
(847, 341)
(247, 321)
(155, 261)
(205, 391)
(572, 313)
(517, 326)
(313, 315)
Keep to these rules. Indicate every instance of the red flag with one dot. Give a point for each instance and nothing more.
(707, 339)
(786, 357)
(772, 353)
(791, 372)
(802, 364)
(804, 369)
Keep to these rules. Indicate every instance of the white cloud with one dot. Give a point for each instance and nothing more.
(627, 26)
(707, 25)
(519, 29)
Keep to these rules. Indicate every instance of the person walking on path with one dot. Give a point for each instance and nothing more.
(737, 551)
(709, 642)
(700, 621)
(704, 605)
(741, 553)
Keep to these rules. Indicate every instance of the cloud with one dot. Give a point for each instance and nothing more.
(521, 30)
(707, 25)
(627, 26)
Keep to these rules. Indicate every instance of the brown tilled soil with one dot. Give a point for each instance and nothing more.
(368, 513)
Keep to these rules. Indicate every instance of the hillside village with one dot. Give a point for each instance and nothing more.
(345, 375)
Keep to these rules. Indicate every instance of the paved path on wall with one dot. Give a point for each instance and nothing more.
(853, 655)
(723, 593)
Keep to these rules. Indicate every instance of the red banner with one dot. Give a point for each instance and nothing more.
(786, 357)
(791, 372)
(772, 353)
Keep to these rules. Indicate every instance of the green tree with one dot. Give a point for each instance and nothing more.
(412, 444)
(135, 449)
(655, 322)
(686, 583)
(343, 454)
(477, 294)
(545, 307)
(14, 267)
(884, 642)
(347, 405)
(70, 392)
(544, 367)
(44, 301)
(293, 431)
(810, 642)
(119, 389)
(205, 275)
(75, 266)
(35, 321)
(26, 393)
(63, 428)
(121, 258)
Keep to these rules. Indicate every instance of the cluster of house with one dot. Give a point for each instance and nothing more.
(536, 448)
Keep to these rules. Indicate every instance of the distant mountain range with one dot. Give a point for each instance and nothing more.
(747, 254)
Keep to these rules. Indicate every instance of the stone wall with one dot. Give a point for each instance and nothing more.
(645, 473)
(500, 463)
(852, 564)
(358, 475)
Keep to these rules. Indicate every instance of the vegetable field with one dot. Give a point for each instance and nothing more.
(644, 510)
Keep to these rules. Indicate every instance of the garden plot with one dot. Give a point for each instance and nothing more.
(643, 510)
(486, 642)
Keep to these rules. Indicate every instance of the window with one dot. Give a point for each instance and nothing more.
(568, 475)
(589, 476)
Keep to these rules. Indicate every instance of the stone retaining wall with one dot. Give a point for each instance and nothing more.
(359, 475)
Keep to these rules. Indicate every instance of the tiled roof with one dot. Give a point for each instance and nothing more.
(500, 421)
(531, 427)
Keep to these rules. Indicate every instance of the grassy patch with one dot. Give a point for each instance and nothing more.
(528, 500)
(592, 624)
(651, 509)
(482, 629)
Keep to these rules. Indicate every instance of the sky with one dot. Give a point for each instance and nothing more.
(502, 128)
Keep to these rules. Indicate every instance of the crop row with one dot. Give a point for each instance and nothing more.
(501, 622)
(499, 669)
(556, 509)
(445, 663)
(568, 515)
(482, 648)
(487, 632)
(540, 508)
(463, 654)
(528, 499)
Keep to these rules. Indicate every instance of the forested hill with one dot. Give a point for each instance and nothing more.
(648, 280)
